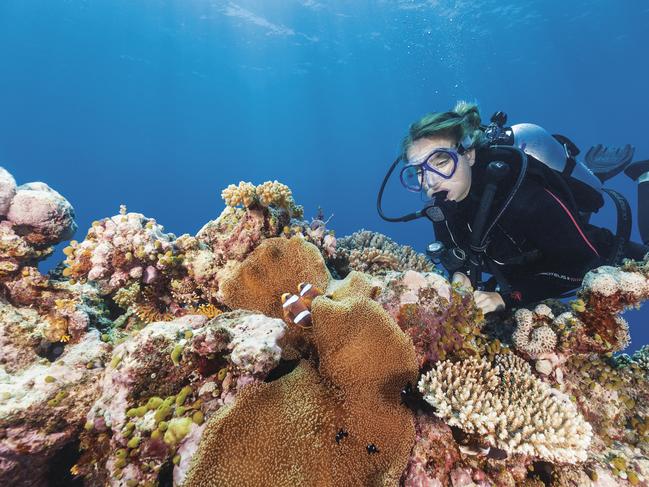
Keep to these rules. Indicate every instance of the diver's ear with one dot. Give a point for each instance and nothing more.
(470, 156)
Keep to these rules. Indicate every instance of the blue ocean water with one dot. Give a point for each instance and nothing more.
(160, 105)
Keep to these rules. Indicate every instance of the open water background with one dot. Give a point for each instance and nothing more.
(160, 104)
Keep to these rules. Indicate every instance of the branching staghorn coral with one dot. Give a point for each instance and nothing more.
(503, 402)
(371, 251)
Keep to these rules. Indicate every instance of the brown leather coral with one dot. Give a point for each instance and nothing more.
(339, 424)
(276, 266)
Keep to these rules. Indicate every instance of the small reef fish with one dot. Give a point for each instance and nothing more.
(297, 307)
(308, 292)
(296, 311)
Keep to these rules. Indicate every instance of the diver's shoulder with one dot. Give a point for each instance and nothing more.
(530, 199)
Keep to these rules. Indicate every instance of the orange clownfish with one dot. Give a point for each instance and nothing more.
(308, 292)
(296, 311)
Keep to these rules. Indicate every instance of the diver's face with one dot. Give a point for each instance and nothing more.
(458, 185)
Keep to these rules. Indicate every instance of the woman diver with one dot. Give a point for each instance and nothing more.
(515, 203)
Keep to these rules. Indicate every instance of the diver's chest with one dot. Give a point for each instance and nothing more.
(505, 243)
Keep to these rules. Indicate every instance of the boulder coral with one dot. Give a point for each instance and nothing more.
(34, 219)
(533, 335)
(340, 423)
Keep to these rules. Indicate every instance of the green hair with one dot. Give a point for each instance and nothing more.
(463, 120)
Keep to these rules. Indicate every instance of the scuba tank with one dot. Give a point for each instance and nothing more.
(581, 188)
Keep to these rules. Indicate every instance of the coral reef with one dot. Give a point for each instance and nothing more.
(160, 387)
(276, 266)
(270, 193)
(441, 320)
(43, 399)
(375, 253)
(508, 407)
(150, 359)
(348, 426)
(606, 292)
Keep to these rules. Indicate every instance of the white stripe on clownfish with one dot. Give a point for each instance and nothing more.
(301, 316)
(290, 301)
(305, 289)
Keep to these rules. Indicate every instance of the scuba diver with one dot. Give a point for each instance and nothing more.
(514, 203)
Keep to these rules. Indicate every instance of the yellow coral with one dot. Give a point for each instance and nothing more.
(243, 194)
(269, 193)
(274, 193)
(127, 296)
(57, 327)
(65, 305)
(149, 313)
(208, 310)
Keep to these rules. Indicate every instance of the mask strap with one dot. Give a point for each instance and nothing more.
(464, 145)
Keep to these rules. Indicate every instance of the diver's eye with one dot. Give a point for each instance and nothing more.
(438, 161)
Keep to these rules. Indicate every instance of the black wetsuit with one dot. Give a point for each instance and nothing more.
(539, 244)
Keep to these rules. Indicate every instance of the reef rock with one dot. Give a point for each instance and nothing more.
(43, 403)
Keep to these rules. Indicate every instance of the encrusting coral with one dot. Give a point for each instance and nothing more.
(509, 407)
(161, 386)
(533, 335)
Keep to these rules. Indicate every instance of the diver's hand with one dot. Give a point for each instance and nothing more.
(488, 301)
(485, 300)
(462, 279)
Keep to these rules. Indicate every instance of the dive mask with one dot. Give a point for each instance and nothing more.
(418, 175)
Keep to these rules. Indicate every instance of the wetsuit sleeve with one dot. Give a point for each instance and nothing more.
(567, 248)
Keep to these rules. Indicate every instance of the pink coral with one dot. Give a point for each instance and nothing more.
(437, 317)
(7, 190)
(44, 213)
